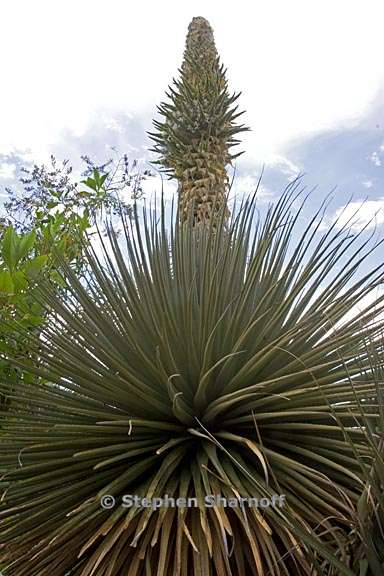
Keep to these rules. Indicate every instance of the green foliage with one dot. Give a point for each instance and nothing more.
(189, 363)
(49, 221)
(48, 190)
(26, 258)
(20, 269)
(96, 182)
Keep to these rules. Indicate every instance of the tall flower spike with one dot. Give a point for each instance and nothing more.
(199, 129)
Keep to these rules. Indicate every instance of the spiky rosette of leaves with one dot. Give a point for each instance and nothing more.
(190, 364)
(198, 131)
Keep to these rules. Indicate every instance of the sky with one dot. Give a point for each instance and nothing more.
(80, 77)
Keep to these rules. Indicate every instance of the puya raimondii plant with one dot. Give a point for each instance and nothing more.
(193, 360)
(194, 364)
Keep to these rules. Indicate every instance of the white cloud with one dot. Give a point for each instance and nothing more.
(112, 124)
(7, 170)
(368, 300)
(375, 158)
(367, 184)
(156, 185)
(358, 214)
(246, 184)
(286, 166)
(58, 72)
